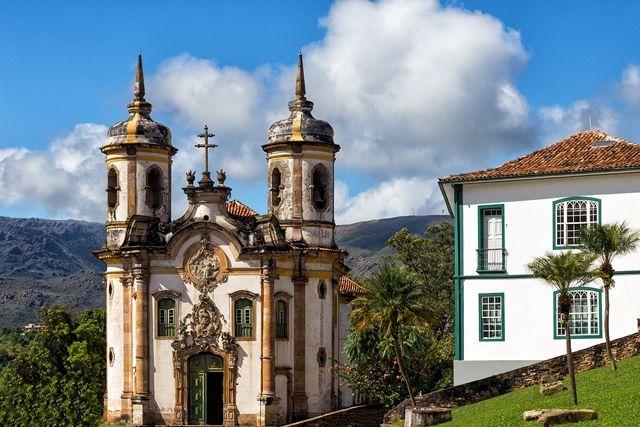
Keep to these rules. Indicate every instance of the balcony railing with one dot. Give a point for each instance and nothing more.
(492, 260)
(244, 330)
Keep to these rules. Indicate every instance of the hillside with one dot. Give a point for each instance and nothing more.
(618, 406)
(366, 241)
(46, 262)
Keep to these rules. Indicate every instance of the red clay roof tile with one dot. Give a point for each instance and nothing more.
(237, 208)
(583, 152)
(351, 287)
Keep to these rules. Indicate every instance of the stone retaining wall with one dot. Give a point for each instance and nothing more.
(496, 385)
(356, 416)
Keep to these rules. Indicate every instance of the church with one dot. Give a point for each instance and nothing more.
(222, 316)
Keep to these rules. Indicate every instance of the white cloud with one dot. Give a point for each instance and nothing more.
(629, 86)
(410, 87)
(397, 197)
(67, 180)
(558, 122)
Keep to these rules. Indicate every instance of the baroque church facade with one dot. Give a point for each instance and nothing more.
(222, 316)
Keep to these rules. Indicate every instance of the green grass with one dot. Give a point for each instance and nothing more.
(614, 395)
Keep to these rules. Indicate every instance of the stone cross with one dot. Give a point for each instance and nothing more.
(206, 135)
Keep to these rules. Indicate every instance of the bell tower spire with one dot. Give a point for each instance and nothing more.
(138, 91)
(300, 157)
(138, 154)
(301, 91)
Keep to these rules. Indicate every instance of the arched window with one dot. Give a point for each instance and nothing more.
(154, 188)
(570, 215)
(319, 196)
(166, 317)
(584, 314)
(244, 318)
(112, 188)
(276, 182)
(281, 319)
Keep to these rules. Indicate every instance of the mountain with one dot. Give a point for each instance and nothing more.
(366, 241)
(45, 262)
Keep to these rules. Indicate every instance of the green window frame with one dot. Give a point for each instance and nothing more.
(492, 260)
(585, 315)
(281, 319)
(569, 215)
(491, 316)
(243, 309)
(166, 317)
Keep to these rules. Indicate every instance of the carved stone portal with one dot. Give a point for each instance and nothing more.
(206, 268)
(201, 331)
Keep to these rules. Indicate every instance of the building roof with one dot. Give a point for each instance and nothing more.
(350, 287)
(588, 151)
(236, 208)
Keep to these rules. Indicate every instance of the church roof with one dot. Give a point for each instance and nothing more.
(301, 126)
(236, 208)
(139, 127)
(350, 287)
(588, 151)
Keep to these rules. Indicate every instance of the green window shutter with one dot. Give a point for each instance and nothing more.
(166, 317)
(244, 318)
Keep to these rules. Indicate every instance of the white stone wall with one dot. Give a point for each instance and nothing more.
(318, 334)
(528, 302)
(345, 393)
(115, 377)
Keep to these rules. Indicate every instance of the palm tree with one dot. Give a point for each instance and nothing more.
(394, 299)
(606, 241)
(564, 271)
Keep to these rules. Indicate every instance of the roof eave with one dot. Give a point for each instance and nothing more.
(541, 176)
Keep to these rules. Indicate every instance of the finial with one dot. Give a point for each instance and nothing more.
(139, 86)
(300, 89)
(300, 102)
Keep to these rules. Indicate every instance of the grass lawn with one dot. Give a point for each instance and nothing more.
(614, 395)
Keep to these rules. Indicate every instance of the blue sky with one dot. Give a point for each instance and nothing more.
(415, 89)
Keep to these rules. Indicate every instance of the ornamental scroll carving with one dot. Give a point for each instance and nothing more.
(201, 331)
(206, 268)
(202, 328)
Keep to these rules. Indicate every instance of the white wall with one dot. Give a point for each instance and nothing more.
(528, 302)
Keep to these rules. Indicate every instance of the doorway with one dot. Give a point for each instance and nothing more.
(206, 392)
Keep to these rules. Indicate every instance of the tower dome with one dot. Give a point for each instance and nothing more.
(300, 125)
(139, 127)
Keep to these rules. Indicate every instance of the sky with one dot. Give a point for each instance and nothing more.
(415, 90)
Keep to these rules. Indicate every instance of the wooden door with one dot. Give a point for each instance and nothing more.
(205, 389)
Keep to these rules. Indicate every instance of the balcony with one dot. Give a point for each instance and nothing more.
(492, 260)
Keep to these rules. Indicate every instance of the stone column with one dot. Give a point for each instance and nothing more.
(141, 398)
(299, 388)
(268, 407)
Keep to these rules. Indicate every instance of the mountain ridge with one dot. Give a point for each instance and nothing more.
(45, 262)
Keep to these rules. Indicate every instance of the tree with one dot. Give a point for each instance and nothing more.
(430, 256)
(59, 379)
(564, 271)
(394, 301)
(606, 241)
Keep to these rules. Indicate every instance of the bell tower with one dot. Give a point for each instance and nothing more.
(139, 153)
(300, 160)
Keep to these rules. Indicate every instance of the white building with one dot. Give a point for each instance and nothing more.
(222, 316)
(506, 216)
